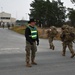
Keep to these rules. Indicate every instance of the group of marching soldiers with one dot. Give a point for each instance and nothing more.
(67, 37)
(32, 40)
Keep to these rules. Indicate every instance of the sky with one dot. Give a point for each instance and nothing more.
(19, 9)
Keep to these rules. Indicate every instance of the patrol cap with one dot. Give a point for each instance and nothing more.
(53, 27)
(31, 20)
(71, 29)
(65, 26)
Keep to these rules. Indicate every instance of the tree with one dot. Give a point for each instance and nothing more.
(48, 12)
(71, 16)
(58, 13)
(37, 10)
(73, 1)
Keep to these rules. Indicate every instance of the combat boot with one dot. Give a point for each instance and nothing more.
(28, 65)
(72, 55)
(53, 48)
(33, 62)
(63, 54)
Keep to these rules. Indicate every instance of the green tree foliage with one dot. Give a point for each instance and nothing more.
(38, 10)
(47, 12)
(71, 16)
(73, 1)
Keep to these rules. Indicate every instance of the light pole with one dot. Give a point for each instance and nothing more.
(1, 16)
(1, 9)
(26, 15)
(16, 15)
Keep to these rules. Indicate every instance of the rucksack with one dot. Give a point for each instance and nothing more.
(69, 36)
(54, 33)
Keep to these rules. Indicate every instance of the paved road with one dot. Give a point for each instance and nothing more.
(12, 57)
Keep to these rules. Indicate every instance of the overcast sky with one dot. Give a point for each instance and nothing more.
(20, 8)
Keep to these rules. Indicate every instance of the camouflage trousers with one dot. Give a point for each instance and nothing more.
(51, 43)
(69, 45)
(30, 51)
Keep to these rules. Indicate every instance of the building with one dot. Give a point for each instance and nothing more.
(6, 18)
(21, 22)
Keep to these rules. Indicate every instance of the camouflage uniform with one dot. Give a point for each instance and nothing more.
(32, 40)
(51, 34)
(67, 38)
(30, 51)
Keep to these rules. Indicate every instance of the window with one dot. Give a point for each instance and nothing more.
(4, 17)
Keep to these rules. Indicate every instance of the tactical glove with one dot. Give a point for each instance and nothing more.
(31, 43)
(37, 43)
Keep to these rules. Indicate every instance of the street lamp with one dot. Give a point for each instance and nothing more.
(26, 15)
(1, 15)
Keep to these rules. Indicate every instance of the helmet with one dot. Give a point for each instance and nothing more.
(65, 27)
(53, 27)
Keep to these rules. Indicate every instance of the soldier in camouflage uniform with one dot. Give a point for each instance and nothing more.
(31, 35)
(51, 34)
(67, 37)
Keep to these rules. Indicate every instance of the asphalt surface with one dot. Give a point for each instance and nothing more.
(50, 62)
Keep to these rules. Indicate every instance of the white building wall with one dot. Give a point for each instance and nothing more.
(5, 21)
(5, 16)
(13, 20)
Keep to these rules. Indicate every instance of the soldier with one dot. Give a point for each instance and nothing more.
(3, 26)
(8, 25)
(51, 34)
(31, 35)
(67, 37)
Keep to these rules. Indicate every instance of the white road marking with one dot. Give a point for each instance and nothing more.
(9, 49)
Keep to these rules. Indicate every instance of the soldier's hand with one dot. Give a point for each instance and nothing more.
(31, 43)
(37, 43)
